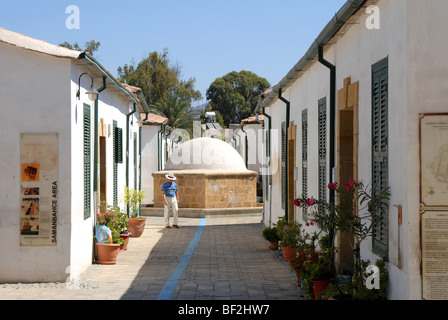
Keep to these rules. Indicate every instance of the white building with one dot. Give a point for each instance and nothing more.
(155, 147)
(355, 112)
(52, 141)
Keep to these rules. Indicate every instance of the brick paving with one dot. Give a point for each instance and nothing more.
(231, 261)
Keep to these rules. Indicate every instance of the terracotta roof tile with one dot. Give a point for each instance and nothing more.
(154, 118)
(253, 119)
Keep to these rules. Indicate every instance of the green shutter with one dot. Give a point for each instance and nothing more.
(380, 151)
(118, 145)
(135, 161)
(283, 165)
(115, 166)
(305, 160)
(87, 161)
(322, 127)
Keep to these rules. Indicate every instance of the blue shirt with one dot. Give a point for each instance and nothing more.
(170, 189)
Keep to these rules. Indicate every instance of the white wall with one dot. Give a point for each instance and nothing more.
(411, 36)
(149, 160)
(427, 85)
(33, 99)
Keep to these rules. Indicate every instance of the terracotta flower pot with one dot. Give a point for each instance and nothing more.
(273, 245)
(289, 253)
(319, 286)
(125, 237)
(107, 252)
(136, 227)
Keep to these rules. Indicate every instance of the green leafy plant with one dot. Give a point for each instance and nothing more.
(289, 233)
(114, 219)
(271, 234)
(133, 200)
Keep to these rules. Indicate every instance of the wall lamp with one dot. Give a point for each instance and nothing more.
(92, 93)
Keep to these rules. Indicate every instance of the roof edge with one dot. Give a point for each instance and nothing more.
(332, 27)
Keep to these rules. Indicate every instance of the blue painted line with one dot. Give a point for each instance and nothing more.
(173, 280)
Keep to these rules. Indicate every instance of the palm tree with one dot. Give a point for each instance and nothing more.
(177, 111)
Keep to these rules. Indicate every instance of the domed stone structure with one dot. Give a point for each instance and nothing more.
(212, 179)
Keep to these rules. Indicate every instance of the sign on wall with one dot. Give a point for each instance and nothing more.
(39, 189)
(434, 205)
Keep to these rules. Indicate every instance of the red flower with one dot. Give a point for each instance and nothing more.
(332, 186)
(351, 182)
(347, 186)
(297, 203)
(309, 202)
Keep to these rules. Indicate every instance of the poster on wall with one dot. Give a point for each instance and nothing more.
(39, 189)
(434, 160)
(434, 205)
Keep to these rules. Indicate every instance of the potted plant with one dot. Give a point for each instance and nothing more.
(120, 223)
(133, 200)
(289, 234)
(271, 235)
(353, 211)
(108, 241)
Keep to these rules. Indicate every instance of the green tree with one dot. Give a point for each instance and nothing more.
(177, 110)
(235, 95)
(90, 46)
(159, 79)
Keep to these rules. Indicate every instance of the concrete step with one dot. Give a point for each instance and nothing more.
(206, 213)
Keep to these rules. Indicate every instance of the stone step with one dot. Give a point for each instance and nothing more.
(206, 212)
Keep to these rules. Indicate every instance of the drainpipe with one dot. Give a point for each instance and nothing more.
(268, 154)
(127, 146)
(288, 107)
(332, 112)
(159, 146)
(332, 116)
(246, 151)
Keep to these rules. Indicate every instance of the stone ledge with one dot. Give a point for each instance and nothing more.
(204, 213)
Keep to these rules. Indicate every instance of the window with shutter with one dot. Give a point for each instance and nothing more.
(283, 165)
(305, 160)
(87, 161)
(380, 150)
(118, 145)
(115, 166)
(322, 127)
(135, 160)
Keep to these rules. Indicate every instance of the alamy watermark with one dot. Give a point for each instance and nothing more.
(73, 21)
(373, 280)
(373, 20)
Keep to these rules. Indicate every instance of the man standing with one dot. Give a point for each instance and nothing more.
(170, 194)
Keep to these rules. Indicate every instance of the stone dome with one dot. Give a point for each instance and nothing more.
(205, 154)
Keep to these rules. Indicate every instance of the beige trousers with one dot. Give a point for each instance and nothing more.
(171, 208)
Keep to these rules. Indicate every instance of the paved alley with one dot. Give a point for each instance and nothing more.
(218, 258)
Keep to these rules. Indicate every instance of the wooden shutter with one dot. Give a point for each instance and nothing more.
(380, 150)
(115, 166)
(305, 160)
(283, 165)
(322, 127)
(87, 160)
(135, 161)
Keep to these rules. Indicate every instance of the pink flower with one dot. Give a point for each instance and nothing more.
(297, 203)
(311, 223)
(332, 186)
(309, 202)
(347, 186)
(307, 224)
(351, 182)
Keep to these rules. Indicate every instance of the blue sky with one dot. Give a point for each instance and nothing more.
(208, 38)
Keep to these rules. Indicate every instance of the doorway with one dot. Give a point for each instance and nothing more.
(347, 158)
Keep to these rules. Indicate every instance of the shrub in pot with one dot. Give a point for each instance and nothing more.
(133, 200)
(271, 235)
